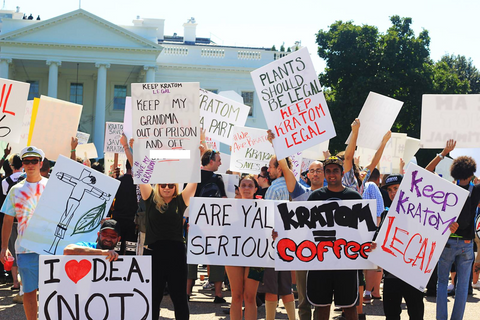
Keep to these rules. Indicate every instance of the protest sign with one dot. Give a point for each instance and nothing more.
(166, 131)
(82, 137)
(212, 144)
(411, 147)
(306, 164)
(109, 162)
(70, 209)
(473, 152)
(13, 98)
(87, 150)
(230, 232)
(250, 150)
(297, 164)
(293, 103)
(55, 124)
(376, 118)
(450, 116)
(390, 160)
(316, 152)
(218, 116)
(113, 133)
(230, 181)
(416, 228)
(324, 235)
(90, 287)
(127, 118)
(443, 169)
(23, 142)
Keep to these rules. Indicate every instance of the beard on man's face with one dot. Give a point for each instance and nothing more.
(105, 243)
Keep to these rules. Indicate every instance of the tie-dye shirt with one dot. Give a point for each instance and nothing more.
(21, 202)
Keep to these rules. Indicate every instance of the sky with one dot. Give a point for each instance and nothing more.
(453, 26)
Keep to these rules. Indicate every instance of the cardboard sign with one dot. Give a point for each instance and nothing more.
(474, 153)
(166, 131)
(55, 124)
(411, 147)
(293, 103)
(70, 209)
(250, 150)
(27, 118)
(443, 169)
(230, 232)
(316, 152)
(376, 117)
(416, 229)
(450, 116)
(82, 137)
(230, 181)
(13, 98)
(218, 116)
(113, 133)
(324, 235)
(390, 160)
(127, 118)
(90, 287)
(87, 150)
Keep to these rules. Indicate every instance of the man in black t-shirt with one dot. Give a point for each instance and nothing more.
(323, 284)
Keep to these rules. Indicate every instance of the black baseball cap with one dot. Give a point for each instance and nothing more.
(110, 224)
(392, 179)
(333, 160)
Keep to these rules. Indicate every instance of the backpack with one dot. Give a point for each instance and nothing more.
(211, 189)
(11, 183)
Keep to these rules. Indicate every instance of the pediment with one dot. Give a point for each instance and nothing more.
(79, 28)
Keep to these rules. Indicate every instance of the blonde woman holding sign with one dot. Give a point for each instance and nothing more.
(244, 280)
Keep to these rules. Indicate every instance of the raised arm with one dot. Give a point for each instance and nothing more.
(287, 172)
(128, 152)
(439, 157)
(189, 192)
(350, 151)
(378, 155)
(73, 150)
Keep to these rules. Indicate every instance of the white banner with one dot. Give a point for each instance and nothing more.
(443, 169)
(13, 99)
(411, 147)
(416, 228)
(316, 152)
(90, 287)
(324, 235)
(231, 232)
(293, 103)
(113, 133)
(450, 116)
(250, 150)
(165, 118)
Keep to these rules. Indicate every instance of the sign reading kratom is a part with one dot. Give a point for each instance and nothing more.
(91, 287)
(70, 209)
(13, 99)
(166, 121)
(293, 103)
(113, 133)
(250, 150)
(450, 116)
(219, 114)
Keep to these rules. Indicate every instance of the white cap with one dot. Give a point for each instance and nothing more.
(32, 151)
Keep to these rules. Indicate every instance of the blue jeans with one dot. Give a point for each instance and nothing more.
(456, 250)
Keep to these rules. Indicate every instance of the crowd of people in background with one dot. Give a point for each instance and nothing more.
(153, 220)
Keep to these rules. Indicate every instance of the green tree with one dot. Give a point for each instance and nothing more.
(273, 48)
(464, 69)
(282, 48)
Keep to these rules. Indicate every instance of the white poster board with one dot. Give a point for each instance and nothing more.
(316, 152)
(250, 150)
(212, 144)
(376, 118)
(412, 238)
(55, 125)
(82, 137)
(443, 169)
(94, 288)
(230, 232)
(450, 116)
(13, 99)
(166, 131)
(27, 118)
(324, 235)
(296, 164)
(127, 118)
(230, 181)
(474, 153)
(411, 147)
(293, 103)
(113, 133)
(87, 150)
(390, 160)
(218, 116)
(70, 209)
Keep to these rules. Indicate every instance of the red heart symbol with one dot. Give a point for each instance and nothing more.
(77, 270)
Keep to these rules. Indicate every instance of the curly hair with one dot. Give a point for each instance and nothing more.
(463, 168)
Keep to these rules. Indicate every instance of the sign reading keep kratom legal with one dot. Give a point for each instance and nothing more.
(219, 114)
(293, 103)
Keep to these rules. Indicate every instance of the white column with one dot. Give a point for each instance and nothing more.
(99, 128)
(53, 77)
(150, 76)
(4, 63)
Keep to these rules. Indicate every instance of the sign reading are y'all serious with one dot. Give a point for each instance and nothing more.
(416, 228)
(166, 132)
(91, 287)
(13, 99)
(232, 232)
(219, 114)
(324, 235)
(293, 103)
(250, 150)
(113, 133)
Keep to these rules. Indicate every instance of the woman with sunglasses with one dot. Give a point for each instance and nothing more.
(244, 280)
(165, 207)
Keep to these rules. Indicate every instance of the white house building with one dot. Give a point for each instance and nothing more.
(82, 58)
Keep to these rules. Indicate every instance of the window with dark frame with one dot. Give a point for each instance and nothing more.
(34, 91)
(248, 100)
(76, 93)
(119, 95)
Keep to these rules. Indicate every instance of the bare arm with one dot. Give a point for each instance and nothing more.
(6, 231)
(73, 150)
(189, 192)
(128, 153)
(288, 175)
(378, 155)
(73, 249)
(145, 190)
(350, 151)
(449, 147)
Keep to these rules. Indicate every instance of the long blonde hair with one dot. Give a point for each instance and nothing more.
(158, 199)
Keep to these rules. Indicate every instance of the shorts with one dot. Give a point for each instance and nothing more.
(217, 273)
(322, 285)
(276, 282)
(28, 269)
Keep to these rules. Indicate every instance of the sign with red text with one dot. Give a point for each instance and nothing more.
(416, 228)
(91, 287)
(230, 232)
(212, 144)
(324, 235)
(218, 116)
(250, 150)
(376, 117)
(166, 132)
(113, 133)
(293, 103)
(450, 116)
(13, 98)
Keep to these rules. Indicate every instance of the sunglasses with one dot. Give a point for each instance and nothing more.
(212, 155)
(260, 176)
(33, 161)
(164, 185)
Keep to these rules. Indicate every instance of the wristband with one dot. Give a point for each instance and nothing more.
(440, 156)
(73, 150)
